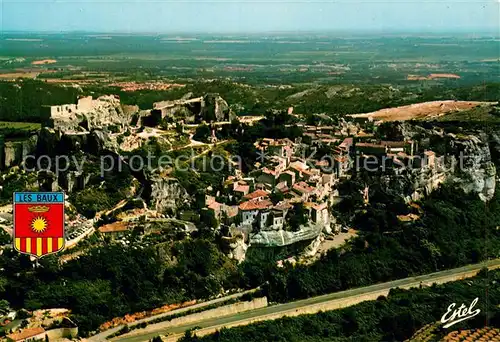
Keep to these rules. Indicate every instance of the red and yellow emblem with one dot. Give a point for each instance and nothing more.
(38, 223)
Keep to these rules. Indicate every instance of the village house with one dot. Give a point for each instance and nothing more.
(341, 165)
(385, 147)
(328, 141)
(282, 187)
(263, 214)
(66, 330)
(257, 195)
(238, 186)
(114, 230)
(283, 148)
(223, 212)
(250, 210)
(429, 159)
(346, 147)
(324, 186)
(320, 215)
(241, 188)
(288, 177)
(267, 177)
(304, 190)
(220, 210)
(407, 147)
(301, 170)
(277, 164)
(279, 213)
(367, 148)
(215, 208)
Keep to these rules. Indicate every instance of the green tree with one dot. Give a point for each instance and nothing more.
(297, 216)
(202, 133)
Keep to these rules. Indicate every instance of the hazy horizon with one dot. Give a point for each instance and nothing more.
(250, 17)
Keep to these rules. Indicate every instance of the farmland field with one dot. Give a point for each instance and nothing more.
(312, 58)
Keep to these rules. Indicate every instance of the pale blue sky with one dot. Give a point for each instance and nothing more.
(249, 16)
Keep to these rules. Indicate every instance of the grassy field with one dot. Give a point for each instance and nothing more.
(23, 126)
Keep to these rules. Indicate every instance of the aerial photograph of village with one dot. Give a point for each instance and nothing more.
(229, 171)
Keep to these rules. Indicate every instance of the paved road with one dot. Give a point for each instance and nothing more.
(292, 307)
(103, 335)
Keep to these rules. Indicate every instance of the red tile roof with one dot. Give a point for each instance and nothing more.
(26, 333)
(370, 145)
(283, 206)
(346, 143)
(255, 205)
(269, 171)
(322, 163)
(115, 227)
(393, 143)
(283, 188)
(257, 194)
(320, 206)
(303, 187)
(214, 205)
(341, 159)
(242, 188)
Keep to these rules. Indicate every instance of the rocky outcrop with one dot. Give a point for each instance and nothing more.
(209, 108)
(476, 171)
(214, 108)
(313, 247)
(279, 238)
(236, 246)
(167, 194)
(53, 142)
(100, 142)
(48, 139)
(74, 180)
(88, 114)
(15, 152)
(464, 159)
(47, 181)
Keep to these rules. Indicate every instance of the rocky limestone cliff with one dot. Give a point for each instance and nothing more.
(236, 246)
(313, 247)
(167, 194)
(88, 114)
(214, 108)
(15, 152)
(465, 159)
(279, 238)
(209, 108)
(476, 170)
(53, 142)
